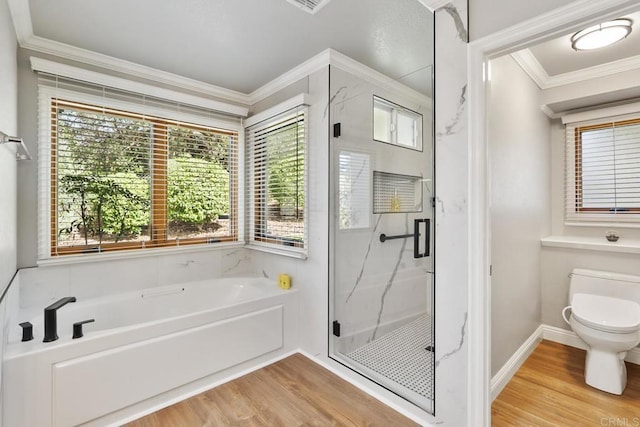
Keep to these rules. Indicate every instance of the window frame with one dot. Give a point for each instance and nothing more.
(256, 208)
(47, 182)
(575, 214)
(394, 110)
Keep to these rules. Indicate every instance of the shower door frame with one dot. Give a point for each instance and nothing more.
(332, 223)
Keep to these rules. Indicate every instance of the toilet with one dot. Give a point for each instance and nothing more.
(605, 314)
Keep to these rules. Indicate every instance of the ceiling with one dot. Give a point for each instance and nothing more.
(576, 80)
(243, 44)
(557, 57)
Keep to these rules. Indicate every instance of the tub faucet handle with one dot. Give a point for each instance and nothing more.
(77, 328)
(27, 331)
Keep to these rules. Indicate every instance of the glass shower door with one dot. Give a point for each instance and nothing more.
(382, 234)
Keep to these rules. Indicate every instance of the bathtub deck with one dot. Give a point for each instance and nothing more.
(293, 391)
(549, 390)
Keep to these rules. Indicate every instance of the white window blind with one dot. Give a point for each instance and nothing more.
(355, 190)
(120, 171)
(276, 173)
(603, 170)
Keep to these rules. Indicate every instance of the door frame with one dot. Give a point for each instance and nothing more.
(571, 17)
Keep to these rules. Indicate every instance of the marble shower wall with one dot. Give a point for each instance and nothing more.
(451, 37)
(377, 286)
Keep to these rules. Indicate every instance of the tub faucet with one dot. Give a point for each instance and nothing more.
(51, 318)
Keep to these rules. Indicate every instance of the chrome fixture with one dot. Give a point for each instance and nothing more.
(601, 35)
(22, 153)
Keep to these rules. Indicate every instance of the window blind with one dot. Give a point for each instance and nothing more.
(121, 173)
(603, 169)
(276, 175)
(354, 190)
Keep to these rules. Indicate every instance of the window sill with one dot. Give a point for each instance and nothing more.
(627, 223)
(291, 253)
(141, 253)
(592, 244)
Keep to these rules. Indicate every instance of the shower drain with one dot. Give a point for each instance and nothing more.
(400, 356)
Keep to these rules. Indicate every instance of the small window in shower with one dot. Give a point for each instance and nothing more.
(397, 125)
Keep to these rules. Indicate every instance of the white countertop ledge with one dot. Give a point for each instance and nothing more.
(592, 244)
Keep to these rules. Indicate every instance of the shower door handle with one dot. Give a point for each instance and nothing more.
(416, 237)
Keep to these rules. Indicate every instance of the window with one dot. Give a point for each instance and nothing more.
(603, 170)
(124, 180)
(396, 125)
(355, 190)
(277, 180)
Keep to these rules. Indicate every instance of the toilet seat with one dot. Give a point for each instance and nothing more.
(606, 314)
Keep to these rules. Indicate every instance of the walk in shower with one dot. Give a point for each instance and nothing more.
(382, 219)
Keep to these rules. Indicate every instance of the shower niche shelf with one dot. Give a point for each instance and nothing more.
(395, 193)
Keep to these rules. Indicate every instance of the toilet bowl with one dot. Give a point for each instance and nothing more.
(605, 316)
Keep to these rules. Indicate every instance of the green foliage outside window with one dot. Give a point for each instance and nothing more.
(199, 204)
(105, 170)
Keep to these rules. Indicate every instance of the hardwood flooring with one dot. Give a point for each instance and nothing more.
(292, 392)
(549, 390)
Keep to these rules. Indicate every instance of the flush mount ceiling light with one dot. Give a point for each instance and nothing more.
(601, 35)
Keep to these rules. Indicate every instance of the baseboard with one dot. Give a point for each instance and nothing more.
(569, 338)
(551, 333)
(509, 369)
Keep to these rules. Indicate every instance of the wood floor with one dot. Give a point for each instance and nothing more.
(292, 392)
(549, 390)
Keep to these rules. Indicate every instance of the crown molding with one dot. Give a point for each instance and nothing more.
(81, 74)
(375, 77)
(549, 112)
(24, 31)
(603, 70)
(21, 17)
(310, 66)
(555, 23)
(62, 50)
(529, 63)
(333, 57)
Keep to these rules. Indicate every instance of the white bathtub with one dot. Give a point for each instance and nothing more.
(142, 346)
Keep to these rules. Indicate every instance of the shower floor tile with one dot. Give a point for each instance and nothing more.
(402, 356)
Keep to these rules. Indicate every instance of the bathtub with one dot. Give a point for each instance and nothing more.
(145, 347)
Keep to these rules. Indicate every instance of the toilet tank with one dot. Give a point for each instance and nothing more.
(623, 286)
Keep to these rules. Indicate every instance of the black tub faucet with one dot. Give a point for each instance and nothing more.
(51, 318)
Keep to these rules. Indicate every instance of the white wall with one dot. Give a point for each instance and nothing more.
(519, 135)
(310, 276)
(557, 263)
(489, 16)
(8, 166)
